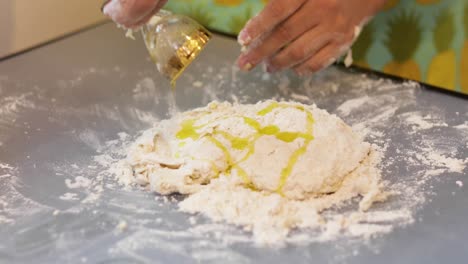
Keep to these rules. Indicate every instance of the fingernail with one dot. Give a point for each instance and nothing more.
(111, 8)
(244, 38)
(244, 64)
(104, 4)
(247, 67)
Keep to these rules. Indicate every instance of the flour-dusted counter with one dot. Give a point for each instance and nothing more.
(68, 108)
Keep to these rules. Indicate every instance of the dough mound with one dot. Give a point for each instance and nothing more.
(295, 150)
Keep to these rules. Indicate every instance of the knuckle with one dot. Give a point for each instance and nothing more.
(315, 66)
(276, 9)
(296, 54)
(283, 33)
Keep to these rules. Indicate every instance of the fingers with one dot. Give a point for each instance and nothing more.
(275, 12)
(130, 12)
(304, 35)
(322, 59)
(300, 49)
(296, 25)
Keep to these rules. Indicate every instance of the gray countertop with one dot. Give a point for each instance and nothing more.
(62, 103)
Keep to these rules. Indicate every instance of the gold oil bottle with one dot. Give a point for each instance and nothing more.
(173, 42)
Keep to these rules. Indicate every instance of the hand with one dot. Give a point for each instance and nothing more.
(305, 35)
(131, 13)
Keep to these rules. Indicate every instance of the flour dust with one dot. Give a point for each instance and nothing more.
(422, 143)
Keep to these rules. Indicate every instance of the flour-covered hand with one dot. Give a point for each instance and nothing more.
(305, 35)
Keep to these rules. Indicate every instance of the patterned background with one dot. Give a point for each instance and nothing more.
(423, 40)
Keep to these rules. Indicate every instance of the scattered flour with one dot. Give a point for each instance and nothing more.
(79, 182)
(353, 104)
(452, 164)
(122, 226)
(423, 122)
(440, 163)
(69, 196)
(11, 107)
(146, 91)
(13, 204)
(197, 84)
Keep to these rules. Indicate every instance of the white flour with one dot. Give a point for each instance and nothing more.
(282, 150)
(69, 196)
(13, 204)
(11, 108)
(78, 182)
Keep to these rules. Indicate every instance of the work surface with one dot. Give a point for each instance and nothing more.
(62, 104)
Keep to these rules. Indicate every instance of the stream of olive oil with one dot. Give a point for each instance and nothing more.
(189, 130)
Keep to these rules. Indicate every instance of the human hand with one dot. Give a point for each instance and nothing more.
(305, 35)
(131, 13)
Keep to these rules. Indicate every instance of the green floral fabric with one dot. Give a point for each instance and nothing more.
(422, 40)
